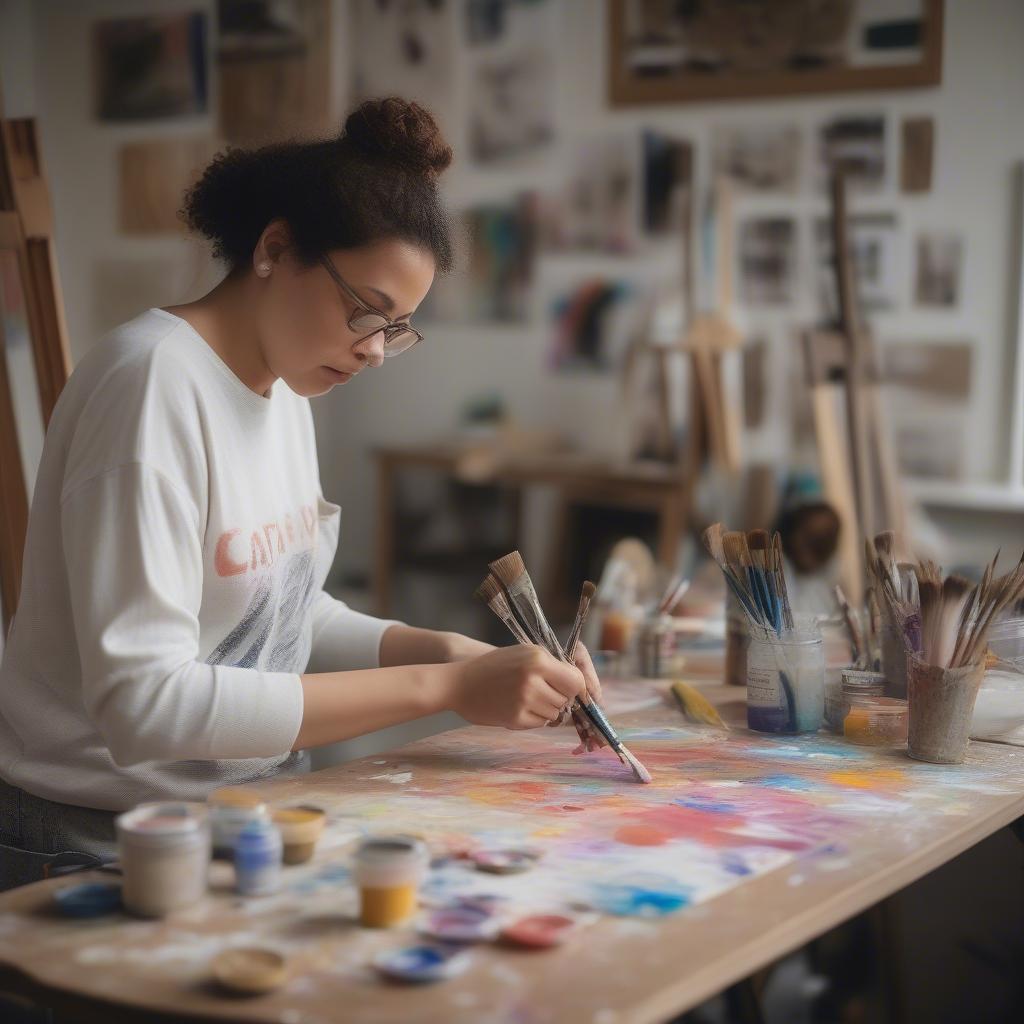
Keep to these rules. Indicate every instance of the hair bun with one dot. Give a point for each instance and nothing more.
(401, 131)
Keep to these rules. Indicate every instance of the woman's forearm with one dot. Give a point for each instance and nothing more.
(340, 705)
(409, 645)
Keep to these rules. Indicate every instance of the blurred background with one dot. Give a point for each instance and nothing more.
(642, 191)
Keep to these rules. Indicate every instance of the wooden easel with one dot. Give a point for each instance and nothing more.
(858, 471)
(26, 234)
(713, 428)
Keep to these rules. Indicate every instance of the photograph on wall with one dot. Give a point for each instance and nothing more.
(404, 49)
(930, 447)
(590, 326)
(758, 158)
(939, 267)
(274, 62)
(939, 370)
(666, 51)
(150, 67)
(667, 182)
(496, 22)
(854, 144)
(767, 261)
(153, 178)
(874, 250)
(598, 208)
(510, 110)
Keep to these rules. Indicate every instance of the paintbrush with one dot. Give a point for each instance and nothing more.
(673, 594)
(856, 639)
(695, 706)
(494, 596)
(510, 571)
(587, 593)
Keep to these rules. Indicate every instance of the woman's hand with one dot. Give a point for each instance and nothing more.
(520, 687)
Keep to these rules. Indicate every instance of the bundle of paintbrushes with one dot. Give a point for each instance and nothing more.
(509, 592)
(752, 566)
(945, 621)
(864, 630)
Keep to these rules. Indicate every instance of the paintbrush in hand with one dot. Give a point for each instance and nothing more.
(511, 573)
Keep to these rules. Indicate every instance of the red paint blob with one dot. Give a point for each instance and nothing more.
(641, 835)
(540, 931)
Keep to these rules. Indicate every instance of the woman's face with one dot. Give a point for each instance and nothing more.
(305, 336)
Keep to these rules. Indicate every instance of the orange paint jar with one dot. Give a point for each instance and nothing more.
(388, 871)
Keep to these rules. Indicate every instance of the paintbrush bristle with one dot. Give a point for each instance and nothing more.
(486, 591)
(641, 773)
(509, 567)
(695, 706)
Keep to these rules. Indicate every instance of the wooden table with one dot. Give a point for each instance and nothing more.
(645, 485)
(795, 835)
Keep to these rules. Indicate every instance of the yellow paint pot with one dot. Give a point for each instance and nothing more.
(388, 871)
(300, 827)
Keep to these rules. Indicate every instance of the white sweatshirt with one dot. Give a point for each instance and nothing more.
(173, 581)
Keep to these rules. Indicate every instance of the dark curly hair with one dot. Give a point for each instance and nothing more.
(376, 180)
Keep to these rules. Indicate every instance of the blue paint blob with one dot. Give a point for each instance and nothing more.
(783, 781)
(735, 864)
(700, 803)
(652, 897)
(90, 899)
(421, 963)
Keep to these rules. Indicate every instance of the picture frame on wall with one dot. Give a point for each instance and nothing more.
(734, 49)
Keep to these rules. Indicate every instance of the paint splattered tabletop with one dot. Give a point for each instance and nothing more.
(743, 847)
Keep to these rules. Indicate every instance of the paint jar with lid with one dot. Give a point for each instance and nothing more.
(658, 657)
(259, 850)
(877, 721)
(231, 809)
(853, 683)
(388, 871)
(164, 849)
(786, 682)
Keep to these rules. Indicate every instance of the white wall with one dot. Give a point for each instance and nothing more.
(979, 110)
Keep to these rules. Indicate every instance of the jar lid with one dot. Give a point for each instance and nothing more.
(390, 850)
(236, 796)
(160, 821)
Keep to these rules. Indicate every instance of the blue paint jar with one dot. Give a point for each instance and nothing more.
(258, 852)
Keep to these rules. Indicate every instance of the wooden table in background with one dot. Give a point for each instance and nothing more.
(645, 485)
(621, 970)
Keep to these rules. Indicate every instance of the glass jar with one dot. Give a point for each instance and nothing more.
(786, 683)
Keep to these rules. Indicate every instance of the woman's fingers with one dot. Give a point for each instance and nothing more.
(586, 666)
(566, 679)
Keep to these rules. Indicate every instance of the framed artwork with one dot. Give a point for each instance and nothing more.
(666, 52)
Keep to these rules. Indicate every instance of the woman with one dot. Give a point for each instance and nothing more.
(173, 634)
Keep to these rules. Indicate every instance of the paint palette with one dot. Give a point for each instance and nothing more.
(421, 964)
(539, 931)
(461, 923)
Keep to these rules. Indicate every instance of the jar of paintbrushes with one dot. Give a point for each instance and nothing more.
(786, 682)
(785, 664)
(945, 625)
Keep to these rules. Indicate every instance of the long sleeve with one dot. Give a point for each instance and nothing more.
(134, 558)
(344, 639)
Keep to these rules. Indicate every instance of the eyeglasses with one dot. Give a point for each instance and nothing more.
(399, 335)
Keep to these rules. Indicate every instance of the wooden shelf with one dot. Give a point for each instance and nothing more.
(979, 496)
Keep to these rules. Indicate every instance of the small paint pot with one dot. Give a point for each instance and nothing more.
(461, 923)
(877, 721)
(300, 827)
(231, 809)
(504, 862)
(90, 899)
(539, 931)
(853, 684)
(258, 853)
(250, 972)
(164, 850)
(420, 964)
(388, 871)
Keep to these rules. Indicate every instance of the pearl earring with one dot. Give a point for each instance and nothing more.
(264, 268)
